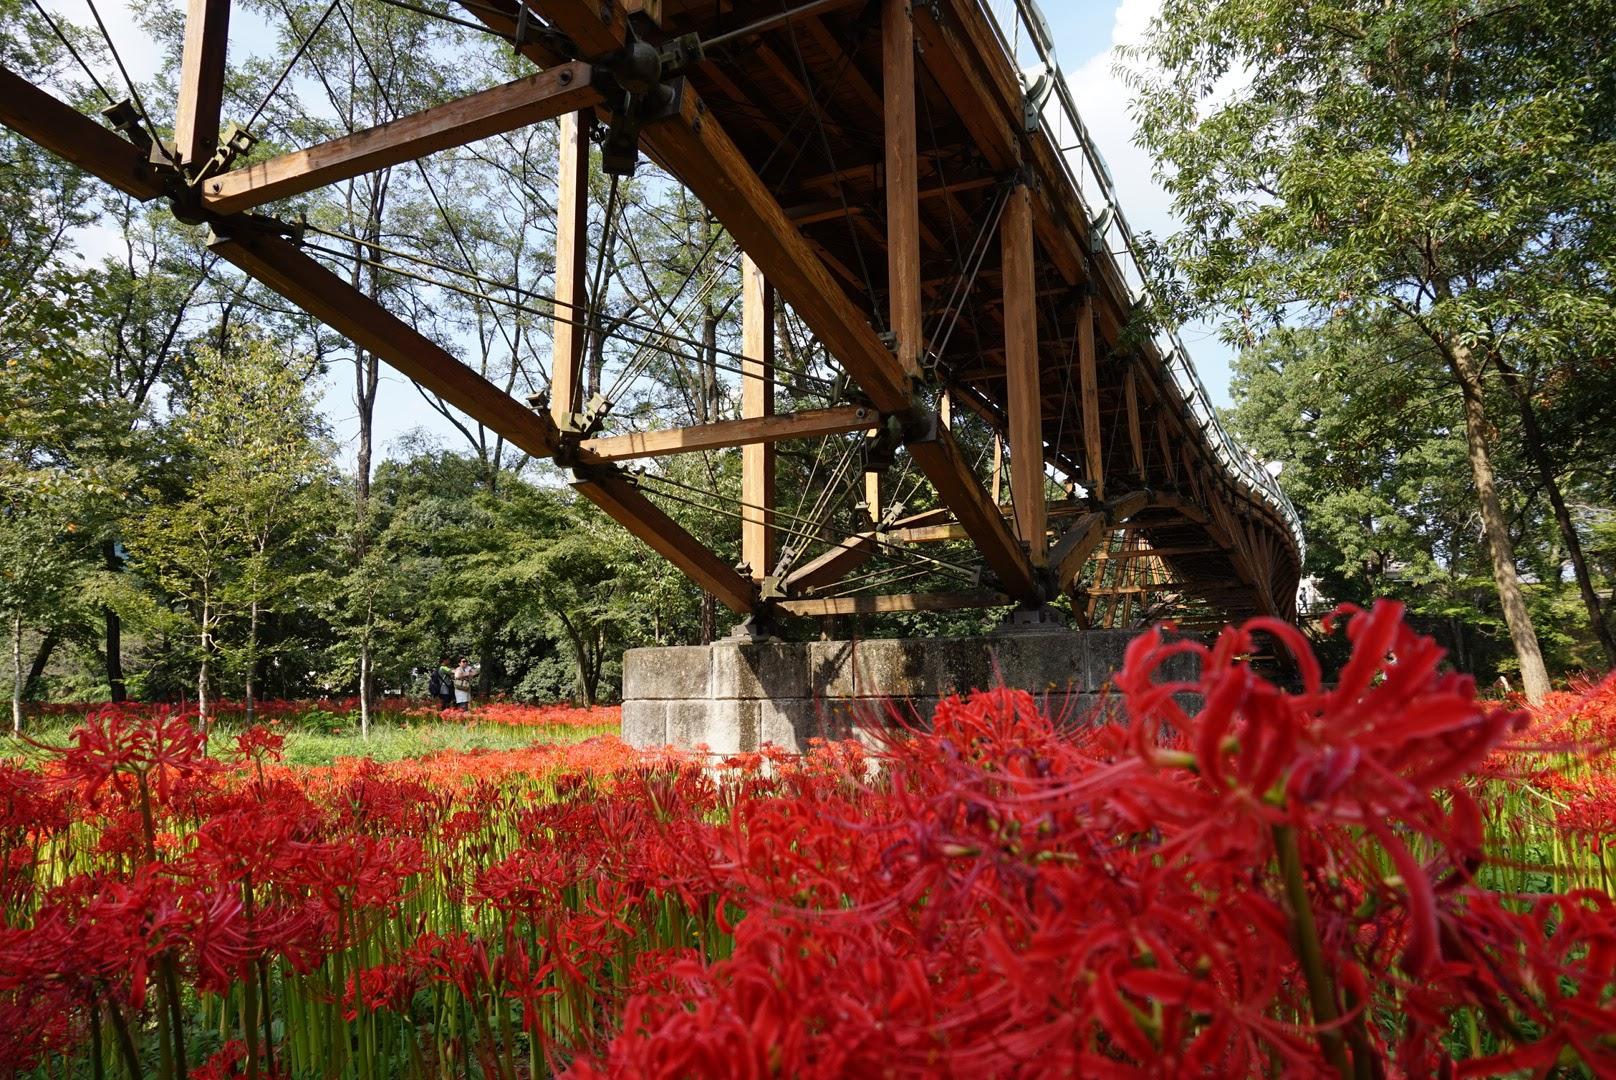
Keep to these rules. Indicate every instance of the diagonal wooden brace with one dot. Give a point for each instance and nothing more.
(614, 493)
(278, 263)
(69, 134)
(543, 96)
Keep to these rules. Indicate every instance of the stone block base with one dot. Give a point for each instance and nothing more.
(735, 696)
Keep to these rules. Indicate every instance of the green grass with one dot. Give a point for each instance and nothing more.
(387, 742)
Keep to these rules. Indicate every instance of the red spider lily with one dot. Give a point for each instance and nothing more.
(225, 1064)
(259, 744)
(110, 748)
(1236, 879)
(385, 986)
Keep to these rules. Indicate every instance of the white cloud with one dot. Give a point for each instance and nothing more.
(1103, 99)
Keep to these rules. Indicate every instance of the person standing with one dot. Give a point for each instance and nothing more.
(442, 684)
(463, 675)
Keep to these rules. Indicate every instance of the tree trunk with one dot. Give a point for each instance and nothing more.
(586, 683)
(485, 657)
(16, 673)
(364, 682)
(116, 688)
(709, 367)
(709, 618)
(597, 650)
(1534, 675)
(252, 659)
(1532, 435)
(36, 670)
(202, 675)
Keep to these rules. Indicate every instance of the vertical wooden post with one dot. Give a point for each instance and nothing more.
(1166, 447)
(757, 399)
(1021, 373)
(903, 180)
(1089, 384)
(872, 496)
(997, 491)
(572, 258)
(196, 118)
(1130, 396)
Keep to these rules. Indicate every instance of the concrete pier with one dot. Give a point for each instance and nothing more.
(735, 695)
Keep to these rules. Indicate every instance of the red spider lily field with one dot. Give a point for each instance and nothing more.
(1375, 874)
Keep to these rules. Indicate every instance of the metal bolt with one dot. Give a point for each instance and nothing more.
(564, 78)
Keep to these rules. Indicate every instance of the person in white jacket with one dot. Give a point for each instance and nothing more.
(463, 676)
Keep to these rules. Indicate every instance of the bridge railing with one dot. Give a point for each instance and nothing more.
(1028, 43)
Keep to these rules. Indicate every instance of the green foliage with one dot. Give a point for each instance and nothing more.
(1428, 184)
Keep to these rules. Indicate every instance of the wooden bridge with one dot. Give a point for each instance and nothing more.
(913, 181)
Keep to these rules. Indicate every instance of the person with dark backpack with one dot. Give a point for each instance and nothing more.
(441, 684)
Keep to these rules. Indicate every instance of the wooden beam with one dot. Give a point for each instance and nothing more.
(902, 181)
(757, 403)
(938, 456)
(651, 9)
(1088, 373)
(280, 265)
(1021, 373)
(695, 148)
(542, 96)
(597, 27)
(929, 534)
(833, 565)
(1161, 552)
(572, 259)
(1130, 399)
(747, 431)
(854, 551)
(1165, 443)
(873, 605)
(836, 50)
(71, 135)
(196, 116)
(996, 490)
(628, 506)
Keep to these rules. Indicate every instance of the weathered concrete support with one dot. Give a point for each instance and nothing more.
(735, 696)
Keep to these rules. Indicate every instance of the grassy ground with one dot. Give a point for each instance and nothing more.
(387, 742)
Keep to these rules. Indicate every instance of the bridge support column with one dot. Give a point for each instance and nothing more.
(1025, 403)
(735, 696)
(757, 400)
(572, 258)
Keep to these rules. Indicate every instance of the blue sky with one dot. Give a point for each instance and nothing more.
(1086, 33)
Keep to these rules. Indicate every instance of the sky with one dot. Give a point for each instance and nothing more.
(1086, 34)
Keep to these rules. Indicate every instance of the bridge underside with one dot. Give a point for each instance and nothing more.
(888, 179)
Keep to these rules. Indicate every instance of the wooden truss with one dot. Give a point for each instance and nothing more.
(1041, 362)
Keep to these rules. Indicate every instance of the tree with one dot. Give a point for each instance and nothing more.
(37, 570)
(1437, 162)
(1377, 471)
(259, 482)
(585, 573)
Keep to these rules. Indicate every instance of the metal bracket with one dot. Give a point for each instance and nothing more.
(773, 587)
(881, 448)
(125, 120)
(235, 142)
(1037, 84)
(649, 90)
